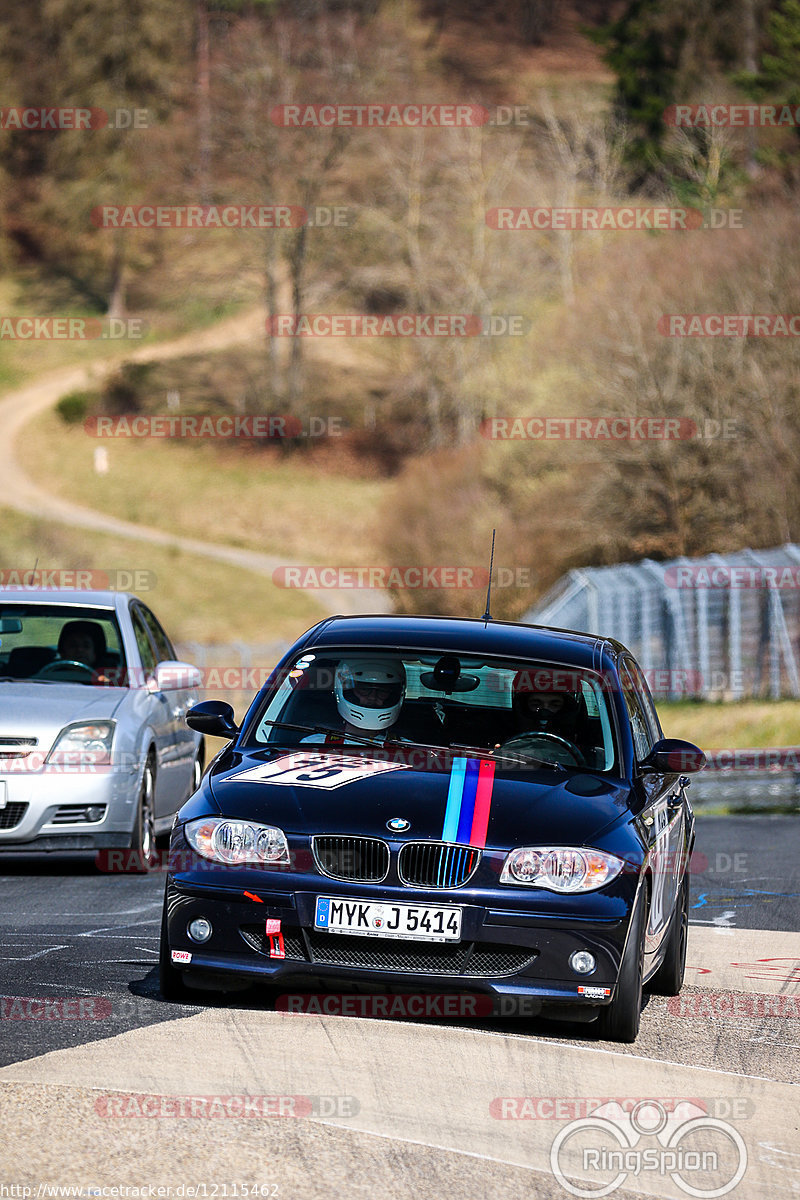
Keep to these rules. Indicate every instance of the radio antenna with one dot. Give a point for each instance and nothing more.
(487, 616)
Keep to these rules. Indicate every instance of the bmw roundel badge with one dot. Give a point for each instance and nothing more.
(398, 824)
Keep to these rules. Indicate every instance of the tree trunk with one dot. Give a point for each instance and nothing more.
(297, 262)
(117, 303)
(203, 105)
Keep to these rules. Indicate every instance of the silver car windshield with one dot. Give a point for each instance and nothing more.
(51, 643)
(549, 712)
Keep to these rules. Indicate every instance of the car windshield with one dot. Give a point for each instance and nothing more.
(52, 643)
(528, 710)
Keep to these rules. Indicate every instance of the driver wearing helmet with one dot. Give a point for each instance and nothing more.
(546, 711)
(369, 695)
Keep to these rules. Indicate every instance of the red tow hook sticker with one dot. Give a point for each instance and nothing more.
(273, 930)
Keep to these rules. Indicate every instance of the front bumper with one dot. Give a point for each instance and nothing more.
(510, 946)
(47, 809)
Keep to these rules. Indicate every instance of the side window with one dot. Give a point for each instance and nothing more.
(143, 643)
(646, 698)
(160, 640)
(642, 738)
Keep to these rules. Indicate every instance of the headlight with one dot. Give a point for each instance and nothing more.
(86, 744)
(227, 841)
(560, 868)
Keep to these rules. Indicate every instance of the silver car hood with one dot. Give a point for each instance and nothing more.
(41, 710)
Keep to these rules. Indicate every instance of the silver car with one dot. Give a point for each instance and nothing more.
(95, 754)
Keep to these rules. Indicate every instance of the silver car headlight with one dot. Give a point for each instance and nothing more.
(84, 744)
(225, 840)
(560, 868)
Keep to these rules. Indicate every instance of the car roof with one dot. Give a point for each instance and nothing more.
(466, 635)
(73, 597)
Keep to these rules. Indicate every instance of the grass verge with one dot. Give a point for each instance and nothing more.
(197, 599)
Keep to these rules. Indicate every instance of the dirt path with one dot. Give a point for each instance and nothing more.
(19, 492)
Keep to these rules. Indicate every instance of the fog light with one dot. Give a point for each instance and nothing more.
(199, 929)
(96, 812)
(583, 962)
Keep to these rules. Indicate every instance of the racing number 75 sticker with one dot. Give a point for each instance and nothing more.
(315, 770)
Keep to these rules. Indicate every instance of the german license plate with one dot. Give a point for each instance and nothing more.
(420, 922)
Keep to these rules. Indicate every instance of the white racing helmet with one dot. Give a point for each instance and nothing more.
(369, 692)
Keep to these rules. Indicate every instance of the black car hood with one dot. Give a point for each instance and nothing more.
(542, 805)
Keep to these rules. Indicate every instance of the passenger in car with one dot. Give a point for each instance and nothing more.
(369, 696)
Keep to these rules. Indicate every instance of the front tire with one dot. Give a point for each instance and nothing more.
(144, 855)
(170, 979)
(619, 1021)
(668, 979)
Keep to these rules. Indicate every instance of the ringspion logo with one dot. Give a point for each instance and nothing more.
(704, 1156)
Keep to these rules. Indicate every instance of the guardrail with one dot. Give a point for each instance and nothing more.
(766, 778)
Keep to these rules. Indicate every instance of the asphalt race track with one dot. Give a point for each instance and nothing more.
(104, 1086)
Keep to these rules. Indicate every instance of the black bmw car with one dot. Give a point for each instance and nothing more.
(442, 805)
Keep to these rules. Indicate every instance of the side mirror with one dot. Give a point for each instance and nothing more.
(213, 717)
(672, 756)
(171, 675)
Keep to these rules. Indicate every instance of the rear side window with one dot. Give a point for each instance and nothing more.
(143, 643)
(646, 698)
(160, 640)
(640, 729)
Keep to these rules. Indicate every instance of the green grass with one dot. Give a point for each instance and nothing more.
(261, 499)
(740, 725)
(195, 598)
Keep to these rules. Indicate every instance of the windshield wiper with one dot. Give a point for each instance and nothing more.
(353, 737)
(361, 739)
(507, 755)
